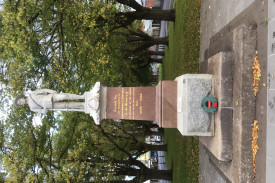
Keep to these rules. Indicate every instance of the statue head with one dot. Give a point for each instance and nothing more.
(20, 100)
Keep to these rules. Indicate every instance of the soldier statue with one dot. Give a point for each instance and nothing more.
(44, 100)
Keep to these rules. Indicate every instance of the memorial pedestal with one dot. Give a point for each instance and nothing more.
(173, 104)
(144, 103)
(192, 119)
(96, 101)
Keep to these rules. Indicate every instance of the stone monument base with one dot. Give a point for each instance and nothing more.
(166, 104)
(220, 145)
(192, 120)
(96, 102)
(173, 104)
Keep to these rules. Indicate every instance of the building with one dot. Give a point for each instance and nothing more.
(152, 3)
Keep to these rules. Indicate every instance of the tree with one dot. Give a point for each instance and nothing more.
(141, 41)
(133, 47)
(126, 148)
(61, 45)
(58, 42)
(128, 17)
(63, 42)
(77, 150)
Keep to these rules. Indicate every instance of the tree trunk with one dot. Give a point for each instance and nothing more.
(149, 133)
(161, 53)
(150, 14)
(127, 18)
(151, 147)
(154, 60)
(158, 174)
(151, 42)
(140, 36)
(161, 40)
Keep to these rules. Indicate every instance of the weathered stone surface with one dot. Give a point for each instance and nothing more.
(209, 170)
(192, 120)
(220, 145)
(169, 104)
(166, 104)
(244, 47)
(215, 15)
(213, 43)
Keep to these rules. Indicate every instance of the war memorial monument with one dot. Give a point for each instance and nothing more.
(173, 104)
(233, 33)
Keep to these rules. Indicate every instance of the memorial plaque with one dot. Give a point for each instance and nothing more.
(133, 103)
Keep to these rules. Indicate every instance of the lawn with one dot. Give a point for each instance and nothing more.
(182, 56)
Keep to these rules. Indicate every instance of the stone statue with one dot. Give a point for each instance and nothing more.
(44, 100)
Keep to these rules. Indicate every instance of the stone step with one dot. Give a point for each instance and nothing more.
(220, 66)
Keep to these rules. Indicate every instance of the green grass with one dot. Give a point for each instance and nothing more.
(182, 56)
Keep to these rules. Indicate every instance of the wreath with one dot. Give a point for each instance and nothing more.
(209, 104)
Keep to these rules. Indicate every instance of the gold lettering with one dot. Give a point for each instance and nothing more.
(122, 103)
(118, 105)
(133, 104)
(126, 98)
(140, 97)
(115, 106)
(130, 109)
(115, 103)
(140, 104)
(130, 98)
(140, 110)
(130, 92)
(122, 112)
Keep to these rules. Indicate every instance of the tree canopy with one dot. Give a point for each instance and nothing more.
(68, 45)
(58, 42)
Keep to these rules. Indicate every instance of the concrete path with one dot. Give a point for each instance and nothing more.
(270, 136)
(215, 15)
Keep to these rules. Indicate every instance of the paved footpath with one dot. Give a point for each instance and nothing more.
(270, 136)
